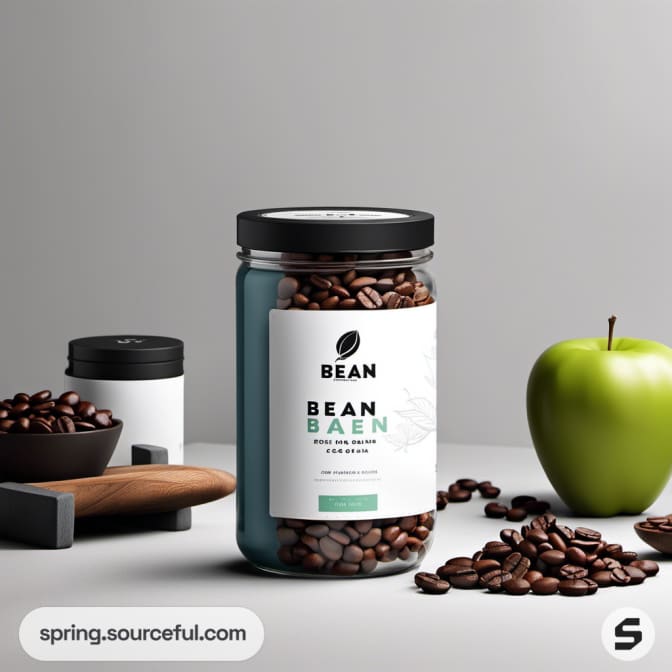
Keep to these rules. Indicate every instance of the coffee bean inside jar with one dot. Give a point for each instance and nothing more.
(336, 431)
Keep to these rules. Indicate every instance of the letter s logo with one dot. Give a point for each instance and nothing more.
(628, 634)
(621, 632)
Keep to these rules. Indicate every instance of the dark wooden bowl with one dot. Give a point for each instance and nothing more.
(30, 458)
(661, 541)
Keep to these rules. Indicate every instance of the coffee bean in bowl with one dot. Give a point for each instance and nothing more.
(656, 531)
(49, 439)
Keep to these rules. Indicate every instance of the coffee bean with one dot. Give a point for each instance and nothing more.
(448, 570)
(353, 553)
(536, 506)
(464, 578)
(85, 409)
(511, 537)
(369, 298)
(461, 560)
(313, 562)
(84, 426)
(102, 420)
(339, 537)
(576, 556)
(516, 586)
(602, 578)
(361, 282)
(496, 549)
(393, 300)
(625, 557)
(331, 549)
(421, 532)
(20, 426)
(596, 565)
(495, 510)
(39, 426)
(487, 565)
(318, 530)
(557, 541)
(553, 558)
(547, 585)
(592, 585)
(537, 536)
(493, 580)
(569, 571)
(385, 285)
(467, 484)
(287, 536)
(588, 547)
(405, 288)
(636, 575)
(340, 291)
(587, 534)
(573, 587)
(70, 398)
(619, 577)
(532, 576)
(528, 549)
(329, 303)
(320, 282)
(39, 397)
(287, 287)
(565, 533)
(459, 496)
(371, 538)
(489, 492)
(649, 567)
(521, 500)
(431, 583)
(516, 564)
(516, 514)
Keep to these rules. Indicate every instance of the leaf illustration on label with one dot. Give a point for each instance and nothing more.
(347, 345)
(407, 434)
(421, 413)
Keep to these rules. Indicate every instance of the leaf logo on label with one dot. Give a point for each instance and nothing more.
(347, 345)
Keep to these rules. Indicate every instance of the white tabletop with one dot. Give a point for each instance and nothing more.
(321, 624)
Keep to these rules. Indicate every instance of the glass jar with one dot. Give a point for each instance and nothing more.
(336, 390)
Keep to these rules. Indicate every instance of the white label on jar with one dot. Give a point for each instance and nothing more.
(334, 214)
(352, 413)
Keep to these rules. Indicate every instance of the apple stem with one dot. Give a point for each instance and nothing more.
(612, 321)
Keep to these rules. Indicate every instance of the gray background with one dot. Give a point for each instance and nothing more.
(131, 132)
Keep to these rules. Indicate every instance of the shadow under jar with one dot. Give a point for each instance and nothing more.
(336, 390)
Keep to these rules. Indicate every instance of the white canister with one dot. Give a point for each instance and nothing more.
(141, 379)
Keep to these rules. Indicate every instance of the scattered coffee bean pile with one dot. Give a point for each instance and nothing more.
(370, 289)
(346, 548)
(462, 489)
(544, 557)
(521, 507)
(658, 523)
(40, 414)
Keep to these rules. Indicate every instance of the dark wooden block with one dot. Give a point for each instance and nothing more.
(36, 516)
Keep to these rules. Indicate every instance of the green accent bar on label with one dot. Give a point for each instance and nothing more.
(334, 503)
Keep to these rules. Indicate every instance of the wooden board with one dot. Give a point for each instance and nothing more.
(144, 489)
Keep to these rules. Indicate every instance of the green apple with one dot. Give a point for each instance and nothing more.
(600, 416)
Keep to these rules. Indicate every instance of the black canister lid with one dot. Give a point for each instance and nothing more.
(125, 357)
(335, 230)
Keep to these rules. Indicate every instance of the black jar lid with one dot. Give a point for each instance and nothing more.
(335, 229)
(125, 357)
